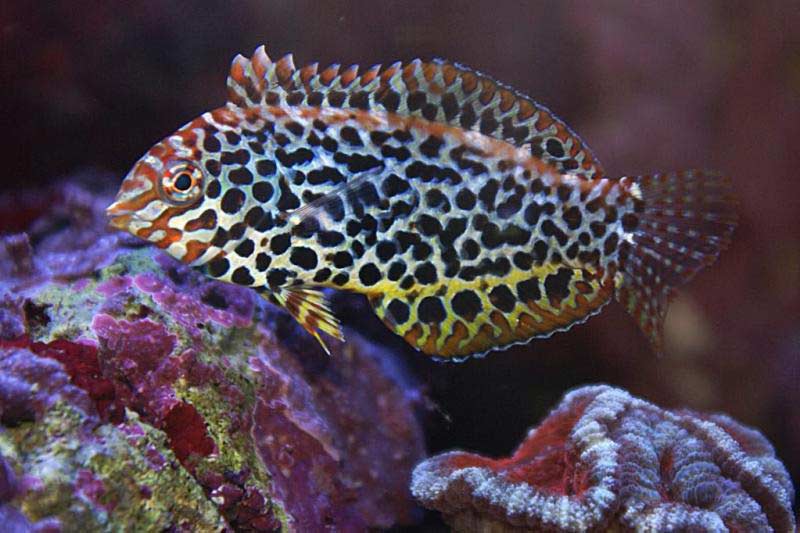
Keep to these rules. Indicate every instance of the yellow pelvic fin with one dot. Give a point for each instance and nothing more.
(460, 319)
(309, 307)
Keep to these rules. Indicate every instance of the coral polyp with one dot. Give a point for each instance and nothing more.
(605, 459)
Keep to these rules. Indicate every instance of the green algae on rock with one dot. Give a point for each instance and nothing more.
(136, 393)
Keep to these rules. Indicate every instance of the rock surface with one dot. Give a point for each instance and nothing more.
(136, 393)
(606, 460)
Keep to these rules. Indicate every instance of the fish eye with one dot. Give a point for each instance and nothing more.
(182, 183)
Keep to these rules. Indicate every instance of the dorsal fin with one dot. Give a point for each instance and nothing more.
(438, 90)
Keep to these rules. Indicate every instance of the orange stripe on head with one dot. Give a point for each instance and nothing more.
(206, 220)
(162, 223)
(136, 192)
(173, 236)
(194, 249)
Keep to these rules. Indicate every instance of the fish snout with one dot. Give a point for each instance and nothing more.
(120, 212)
(118, 218)
(136, 192)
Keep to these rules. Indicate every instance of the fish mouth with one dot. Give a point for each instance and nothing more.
(119, 215)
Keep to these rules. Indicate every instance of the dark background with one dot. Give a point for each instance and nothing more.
(649, 86)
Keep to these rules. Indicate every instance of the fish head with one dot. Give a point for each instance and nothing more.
(165, 198)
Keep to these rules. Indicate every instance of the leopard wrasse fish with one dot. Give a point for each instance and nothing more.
(470, 217)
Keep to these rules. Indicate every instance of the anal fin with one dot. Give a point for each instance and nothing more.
(462, 319)
(309, 307)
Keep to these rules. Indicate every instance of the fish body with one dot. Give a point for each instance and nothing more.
(470, 217)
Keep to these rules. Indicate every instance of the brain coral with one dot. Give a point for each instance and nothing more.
(604, 459)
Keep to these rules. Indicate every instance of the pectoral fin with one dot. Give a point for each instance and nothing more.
(309, 307)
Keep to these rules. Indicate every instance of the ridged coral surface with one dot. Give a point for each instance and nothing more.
(604, 459)
(135, 394)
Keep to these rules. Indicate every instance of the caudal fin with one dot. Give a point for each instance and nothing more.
(685, 219)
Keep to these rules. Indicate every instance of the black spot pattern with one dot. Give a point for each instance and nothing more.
(245, 248)
(241, 276)
(322, 275)
(369, 275)
(288, 200)
(214, 167)
(554, 148)
(241, 176)
(470, 249)
(211, 143)
(430, 212)
(241, 156)
(280, 243)
(528, 290)
(330, 238)
(430, 310)
(467, 304)
(218, 267)
(431, 146)
(295, 158)
(422, 251)
(266, 168)
(303, 257)
(629, 222)
(426, 274)
(232, 201)
(396, 271)
(277, 277)
(572, 217)
(263, 191)
(399, 311)
(429, 225)
(213, 189)
(557, 285)
(465, 199)
(262, 262)
(502, 298)
(385, 250)
(351, 136)
(342, 259)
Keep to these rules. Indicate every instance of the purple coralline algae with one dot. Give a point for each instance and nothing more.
(605, 460)
(135, 393)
